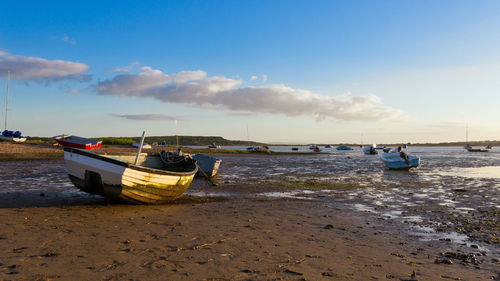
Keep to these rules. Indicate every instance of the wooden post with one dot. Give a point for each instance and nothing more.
(140, 147)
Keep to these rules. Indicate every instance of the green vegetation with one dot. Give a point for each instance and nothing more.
(183, 140)
(120, 141)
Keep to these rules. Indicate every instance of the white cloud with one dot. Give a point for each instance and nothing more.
(68, 40)
(253, 78)
(264, 78)
(126, 68)
(149, 117)
(41, 70)
(197, 89)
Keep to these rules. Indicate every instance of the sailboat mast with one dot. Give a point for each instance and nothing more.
(176, 134)
(7, 98)
(467, 133)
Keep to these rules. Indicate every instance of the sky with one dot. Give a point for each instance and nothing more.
(269, 71)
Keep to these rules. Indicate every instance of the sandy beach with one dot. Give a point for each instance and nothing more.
(225, 234)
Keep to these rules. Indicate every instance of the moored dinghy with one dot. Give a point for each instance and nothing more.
(207, 165)
(115, 177)
(393, 160)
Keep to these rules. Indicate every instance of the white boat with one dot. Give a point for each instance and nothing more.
(370, 150)
(207, 165)
(393, 160)
(144, 145)
(116, 178)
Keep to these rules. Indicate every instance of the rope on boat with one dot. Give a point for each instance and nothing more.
(207, 178)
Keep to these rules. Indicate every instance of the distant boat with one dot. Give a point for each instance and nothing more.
(486, 149)
(468, 147)
(393, 160)
(149, 181)
(250, 148)
(316, 149)
(387, 149)
(144, 145)
(12, 136)
(213, 145)
(6, 134)
(265, 147)
(328, 146)
(207, 165)
(77, 142)
(370, 150)
(343, 147)
(295, 148)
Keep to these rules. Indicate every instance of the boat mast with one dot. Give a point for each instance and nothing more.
(7, 98)
(248, 137)
(467, 133)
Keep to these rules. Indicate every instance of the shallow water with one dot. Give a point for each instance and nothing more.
(454, 195)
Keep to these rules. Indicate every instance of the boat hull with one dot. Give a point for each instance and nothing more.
(14, 139)
(123, 182)
(478, 150)
(395, 162)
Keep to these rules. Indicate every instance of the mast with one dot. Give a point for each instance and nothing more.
(248, 137)
(467, 133)
(7, 98)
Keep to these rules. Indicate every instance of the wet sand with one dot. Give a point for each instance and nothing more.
(250, 227)
(221, 240)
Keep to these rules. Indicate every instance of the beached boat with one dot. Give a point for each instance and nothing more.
(115, 177)
(370, 150)
(207, 165)
(387, 149)
(78, 142)
(343, 147)
(393, 160)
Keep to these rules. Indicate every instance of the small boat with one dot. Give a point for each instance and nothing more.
(387, 149)
(213, 145)
(12, 136)
(295, 149)
(144, 145)
(393, 160)
(486, 149)
(6, 134)
(312, 146)
(77, 142)
(370, 150)
(265, 147)
(250, 148)
(316, 149)
(207, 165)
(343, 147)
(328, 146)
(115, 177)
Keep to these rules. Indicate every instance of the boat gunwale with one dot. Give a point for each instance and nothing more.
(130, 166)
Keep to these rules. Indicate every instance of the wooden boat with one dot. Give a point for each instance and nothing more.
(116, 178)
(393, 160)
(343, 147)
(77, 142)
(207, 165)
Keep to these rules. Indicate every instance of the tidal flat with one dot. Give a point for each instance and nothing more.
(336, 215)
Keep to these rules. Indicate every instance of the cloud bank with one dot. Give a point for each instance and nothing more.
(197, 89)
(41, 70)
(149, 117)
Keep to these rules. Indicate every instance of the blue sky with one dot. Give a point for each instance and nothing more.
(294, 71)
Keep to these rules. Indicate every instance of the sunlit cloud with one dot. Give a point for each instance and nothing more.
(40, 69)
(73, 91)
(253, 78)
(264, 78)
(195, 88)
(148, 117)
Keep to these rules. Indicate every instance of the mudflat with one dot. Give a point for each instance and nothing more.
(216, 240)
